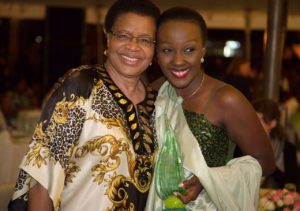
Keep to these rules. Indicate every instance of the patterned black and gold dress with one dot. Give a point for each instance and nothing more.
(92, 148)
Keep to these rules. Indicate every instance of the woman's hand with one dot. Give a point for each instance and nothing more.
(192, 189)
(39, 199)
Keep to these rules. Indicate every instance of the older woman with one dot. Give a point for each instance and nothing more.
(93, 148)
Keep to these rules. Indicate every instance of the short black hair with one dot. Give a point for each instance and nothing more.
(269, 108)
(185, 14)
(120, 7)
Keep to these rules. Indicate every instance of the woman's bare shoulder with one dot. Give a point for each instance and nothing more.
(229, 97)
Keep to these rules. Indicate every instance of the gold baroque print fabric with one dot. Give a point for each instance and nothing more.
(92, 149)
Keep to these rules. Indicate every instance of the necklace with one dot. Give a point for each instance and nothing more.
(197, 89)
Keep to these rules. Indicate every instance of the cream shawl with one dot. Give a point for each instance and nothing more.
(234, 187)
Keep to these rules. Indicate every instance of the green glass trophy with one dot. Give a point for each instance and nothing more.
(169, 173)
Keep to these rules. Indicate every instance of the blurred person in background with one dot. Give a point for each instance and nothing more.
(292, 108)
(240, 75)
(20, 97)
(289, 72)
(286, 171)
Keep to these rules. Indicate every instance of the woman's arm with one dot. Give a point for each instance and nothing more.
(38, 199)
(244, 128)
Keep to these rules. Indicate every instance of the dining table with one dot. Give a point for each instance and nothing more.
(14, 144)
(13, 147)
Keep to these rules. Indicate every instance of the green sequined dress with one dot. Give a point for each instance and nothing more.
(214, 141)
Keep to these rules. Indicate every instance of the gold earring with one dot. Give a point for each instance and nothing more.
(105, 52)
(202, 60)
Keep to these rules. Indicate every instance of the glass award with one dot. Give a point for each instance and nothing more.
(169, 172)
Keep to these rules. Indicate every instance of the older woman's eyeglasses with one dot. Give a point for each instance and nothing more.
(125, 37)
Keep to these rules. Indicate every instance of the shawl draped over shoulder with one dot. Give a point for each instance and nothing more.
(233, 187)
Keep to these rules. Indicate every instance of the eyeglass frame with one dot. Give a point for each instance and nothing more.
(128, 37)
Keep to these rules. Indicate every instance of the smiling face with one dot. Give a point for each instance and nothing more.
(130, 58)
(179, 53)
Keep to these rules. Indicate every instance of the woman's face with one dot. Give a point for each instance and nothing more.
(179, 52)
(130, 46)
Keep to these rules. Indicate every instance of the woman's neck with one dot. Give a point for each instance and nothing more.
(132, 87)
(193, 89)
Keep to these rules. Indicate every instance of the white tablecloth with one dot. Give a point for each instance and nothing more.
(13, 146)
(11, 154)
(5, 195)
(12, 151)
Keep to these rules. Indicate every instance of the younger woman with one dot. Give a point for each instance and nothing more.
(209, 117)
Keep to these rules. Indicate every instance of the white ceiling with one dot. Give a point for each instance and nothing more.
(217, 13)
(200, 5)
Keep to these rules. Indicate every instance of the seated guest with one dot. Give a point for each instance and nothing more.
(240, 75)
(20, 97)
(284, 151)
